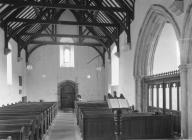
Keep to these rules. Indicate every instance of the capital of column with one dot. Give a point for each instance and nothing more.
(138, 77)
(185, 67)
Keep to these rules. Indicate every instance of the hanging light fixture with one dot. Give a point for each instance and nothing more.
(7, 51)
(19, 59)
(29, 66)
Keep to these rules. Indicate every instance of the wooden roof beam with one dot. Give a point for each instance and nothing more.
(66, 43)
(66, 35)
(62, 6)
(42, 44)
(32, 21)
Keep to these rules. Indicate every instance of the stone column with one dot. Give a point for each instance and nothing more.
(184, 100)
(145, 96)
(138, 90)
(189, 99)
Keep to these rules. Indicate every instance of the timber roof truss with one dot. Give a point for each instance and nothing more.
(102, 20)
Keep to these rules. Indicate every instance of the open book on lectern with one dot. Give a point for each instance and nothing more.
(117, 103)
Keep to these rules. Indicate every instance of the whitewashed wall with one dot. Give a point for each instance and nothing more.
(42, 80)
(10, 93)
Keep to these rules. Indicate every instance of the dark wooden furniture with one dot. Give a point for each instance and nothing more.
(146, 126)
(96, 123)
(24, 121)
(163, 95)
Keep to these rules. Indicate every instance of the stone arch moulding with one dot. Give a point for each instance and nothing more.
(148, 37)
(63, 83)
(187, 37)
(185, 74)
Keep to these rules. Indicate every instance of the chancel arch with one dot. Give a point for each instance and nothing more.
(157, 19)
(153, 24)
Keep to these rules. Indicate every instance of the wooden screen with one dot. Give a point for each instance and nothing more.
(163, 94)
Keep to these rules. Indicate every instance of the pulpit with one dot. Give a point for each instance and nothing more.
(117, 105)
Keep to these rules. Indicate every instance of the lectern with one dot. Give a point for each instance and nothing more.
(117, 105)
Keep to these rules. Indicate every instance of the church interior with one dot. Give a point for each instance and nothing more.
(95, 69)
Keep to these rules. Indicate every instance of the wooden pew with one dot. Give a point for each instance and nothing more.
(41, 113)
(29, 124)
(79, 105)
(22, 115)
(91, 111)
(97, 123)
(38, 125)
(48, 111)
(17, 132)
(146, 126)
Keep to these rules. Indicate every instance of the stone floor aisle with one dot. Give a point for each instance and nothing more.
(64, 127)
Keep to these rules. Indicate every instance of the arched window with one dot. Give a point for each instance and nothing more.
(66, 54)
(114, 67)
(9, 66)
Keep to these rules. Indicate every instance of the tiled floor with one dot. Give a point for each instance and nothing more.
(64, 127)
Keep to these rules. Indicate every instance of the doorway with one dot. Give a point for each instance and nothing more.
(67, 91)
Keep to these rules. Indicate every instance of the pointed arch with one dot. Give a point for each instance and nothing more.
(148, 37)
(153, 24)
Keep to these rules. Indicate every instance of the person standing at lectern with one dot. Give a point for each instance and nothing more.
(109, 96)
(121, 96)
(114, 94)
(78, 98)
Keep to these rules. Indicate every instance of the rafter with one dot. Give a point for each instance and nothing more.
(97, 38)
(65, 43)
(14, 14)
(90, 29)
(78, 16)
(32, 21)
(20, 30)
(56, 16)
(62, 6)
(43, 44)
(111, 36)
(66, 35)
(6, 11)
(104, 20)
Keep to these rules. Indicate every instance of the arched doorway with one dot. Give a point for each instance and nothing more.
(67, 91)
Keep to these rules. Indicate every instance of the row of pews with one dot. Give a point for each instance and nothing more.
(26, 121)
(96, 122)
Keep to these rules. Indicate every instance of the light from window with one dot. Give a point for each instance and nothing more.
(66, 53)
(167, 97)
(167, 53)
(66, 56)
(160, 97)
(178, 53)
(150, 96)
(155, 96)
(174, 97)
(114, 67)
(9, 66)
